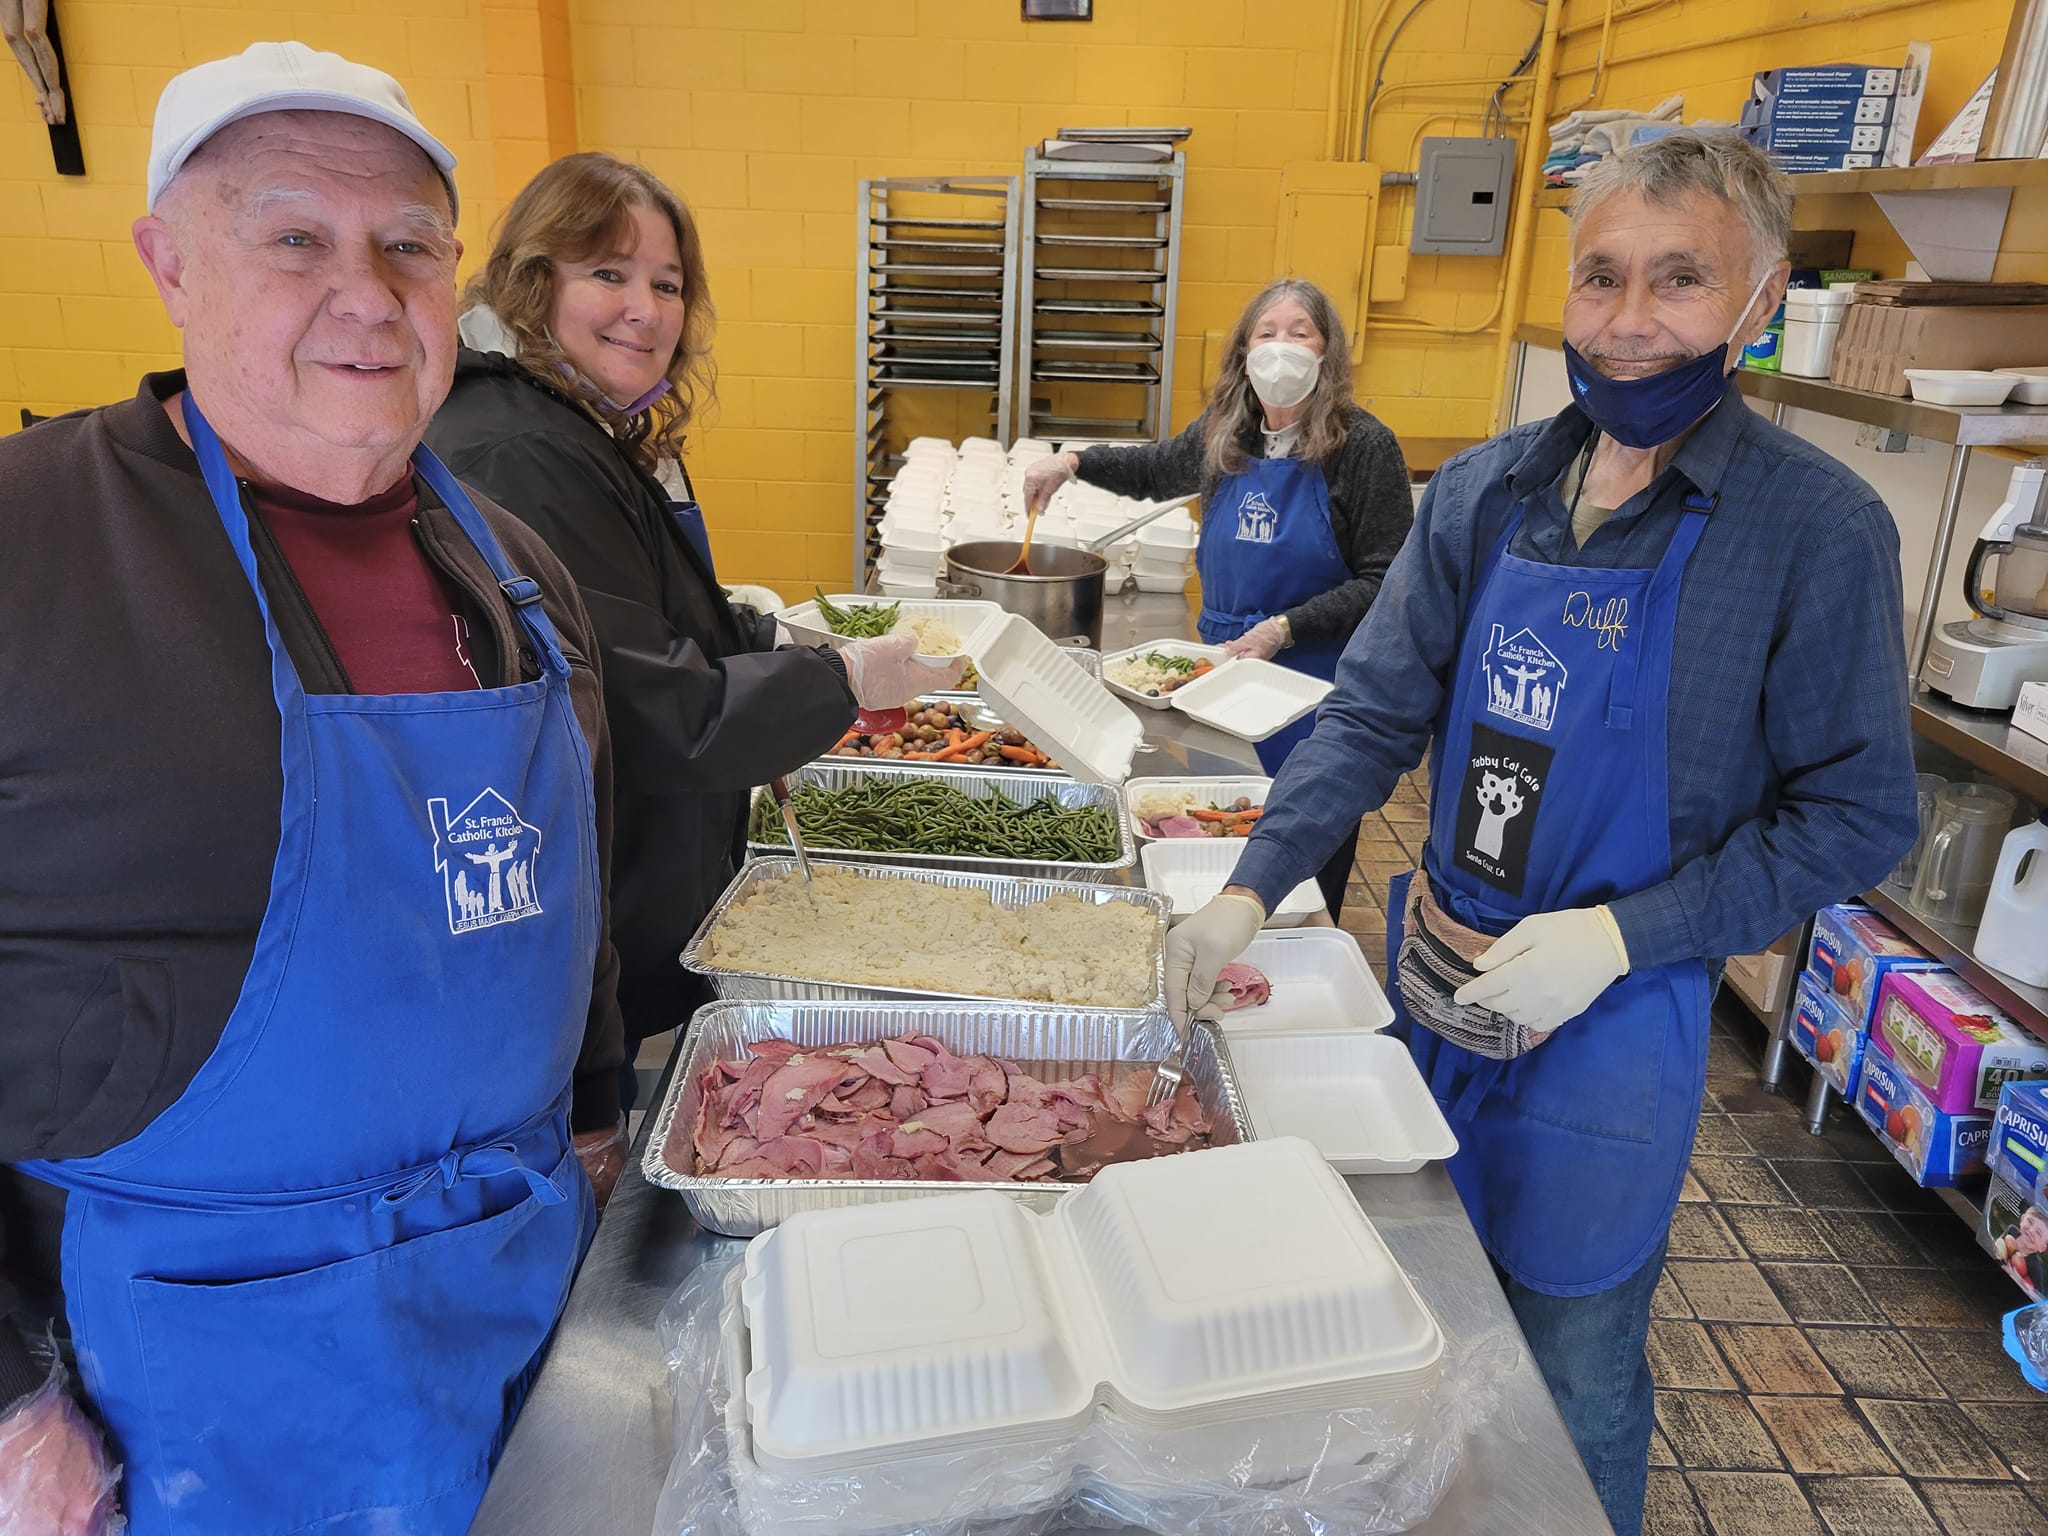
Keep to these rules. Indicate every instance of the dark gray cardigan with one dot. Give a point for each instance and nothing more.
(1371, 506)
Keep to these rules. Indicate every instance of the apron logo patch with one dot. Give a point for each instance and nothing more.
(1497, 806)
(1257, 519)
(486, 855)
(1523, 678)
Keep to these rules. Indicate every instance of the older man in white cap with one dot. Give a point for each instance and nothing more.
(304, 792)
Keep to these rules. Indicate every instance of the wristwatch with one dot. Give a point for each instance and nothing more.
(1286, 630)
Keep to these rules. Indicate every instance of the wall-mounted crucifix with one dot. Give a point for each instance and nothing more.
(30, 28)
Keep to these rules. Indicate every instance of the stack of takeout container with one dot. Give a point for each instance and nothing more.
(1164, 558)
(913, 520)
(1222, 1309)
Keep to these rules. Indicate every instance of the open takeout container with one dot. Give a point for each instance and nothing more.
(1320, 981)
(1356, 1094)
(1189, 871)
(1191, 650)
(966, 617)
(1217, 790)
(1055, 1045)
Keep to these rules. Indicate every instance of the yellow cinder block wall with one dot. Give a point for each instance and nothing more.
(765, 113)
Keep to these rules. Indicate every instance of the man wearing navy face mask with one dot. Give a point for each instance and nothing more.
(1656, 647)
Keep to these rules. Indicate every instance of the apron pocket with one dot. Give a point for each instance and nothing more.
(1601, 1072)
(362, 1388)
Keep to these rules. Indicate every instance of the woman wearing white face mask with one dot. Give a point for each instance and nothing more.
(1305, 497)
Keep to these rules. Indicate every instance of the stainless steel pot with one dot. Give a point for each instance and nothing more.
(1062, 595)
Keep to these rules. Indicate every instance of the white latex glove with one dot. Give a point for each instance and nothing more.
(885, 673)
(603, 1156)
(1549, 968)
(1198, 949)
(1262, 641)
(1045, 477)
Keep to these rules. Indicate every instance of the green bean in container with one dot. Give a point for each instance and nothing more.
(925, 816)
(861, 623)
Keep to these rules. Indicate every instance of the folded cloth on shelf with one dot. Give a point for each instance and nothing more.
(1579, 138)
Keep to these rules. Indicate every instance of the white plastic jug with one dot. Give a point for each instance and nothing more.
(2013, 937)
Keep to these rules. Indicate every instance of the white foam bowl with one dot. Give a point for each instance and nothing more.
(2032, 388)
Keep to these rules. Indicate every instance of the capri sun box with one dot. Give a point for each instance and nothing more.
(2019, 1139)
(1853, 951)
(1952, 1042)
(1939, 1149)
(1825, 1035)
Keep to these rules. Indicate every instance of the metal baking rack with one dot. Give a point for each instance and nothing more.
(1098, 283)
(935, 310)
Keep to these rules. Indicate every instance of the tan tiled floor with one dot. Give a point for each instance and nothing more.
(1826, 1340)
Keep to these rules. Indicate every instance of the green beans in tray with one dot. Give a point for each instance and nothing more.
(862, 623)
(923, 816)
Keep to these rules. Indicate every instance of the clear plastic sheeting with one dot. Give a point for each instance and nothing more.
(54, 1472)
(2026, 1340)
(1371, 1470)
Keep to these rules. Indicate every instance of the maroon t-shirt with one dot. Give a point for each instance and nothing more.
(393, 618)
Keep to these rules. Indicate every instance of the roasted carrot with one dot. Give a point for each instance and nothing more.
(1242, 829)
(961, 749)
(1023, 754)
(1206, 814)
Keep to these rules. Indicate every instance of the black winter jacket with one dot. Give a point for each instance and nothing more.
(702, 704)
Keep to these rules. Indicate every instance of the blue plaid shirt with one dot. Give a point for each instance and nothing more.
(1791, 759)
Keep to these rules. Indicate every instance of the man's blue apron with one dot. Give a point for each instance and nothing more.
(1266, 545)
(309, 1293)
(1549, 791)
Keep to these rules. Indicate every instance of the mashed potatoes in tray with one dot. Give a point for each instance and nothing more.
(892, 932)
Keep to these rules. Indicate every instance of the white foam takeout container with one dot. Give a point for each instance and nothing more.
(1355, 1094)
(1207, 791)
(1959, 386)
(1193, 650)
(2032, 388)
(1205, 1296)
(1320, 981)
(1038, 687)
(1250, 699)
(1190, 871)
(967, 616)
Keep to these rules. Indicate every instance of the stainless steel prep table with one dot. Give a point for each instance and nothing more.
(592, 1449)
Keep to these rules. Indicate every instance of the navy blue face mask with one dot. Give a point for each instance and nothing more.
(1642, 413)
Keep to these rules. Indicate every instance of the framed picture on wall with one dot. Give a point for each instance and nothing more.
(1058, 10)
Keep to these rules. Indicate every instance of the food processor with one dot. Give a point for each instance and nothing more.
(1982, 662)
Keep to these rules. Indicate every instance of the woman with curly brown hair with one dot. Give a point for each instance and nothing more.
(587, 356)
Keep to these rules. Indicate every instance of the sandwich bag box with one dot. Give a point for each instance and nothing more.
(1854, 949)
(1939, 1149)
(1956, 1046)
(1826, 1036)
(2019, 1139)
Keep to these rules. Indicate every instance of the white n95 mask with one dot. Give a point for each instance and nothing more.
(1282, 372)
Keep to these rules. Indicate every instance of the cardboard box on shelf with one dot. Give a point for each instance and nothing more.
(1941, 1150)
(1854, 949)
(1765, 979)
(2014, 1231)
(1878, 343)
(1955, 1044)
(2019, 1139)
(1826, 1036)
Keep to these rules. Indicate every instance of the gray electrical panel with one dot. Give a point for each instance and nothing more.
(1461, 196)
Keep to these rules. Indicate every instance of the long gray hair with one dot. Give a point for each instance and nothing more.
(1234, 413)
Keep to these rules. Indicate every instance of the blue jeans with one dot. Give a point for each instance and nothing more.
(1591, 1352)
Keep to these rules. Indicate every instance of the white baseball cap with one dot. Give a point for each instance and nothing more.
(277, 77)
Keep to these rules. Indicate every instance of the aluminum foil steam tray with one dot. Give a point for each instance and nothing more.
(1052, 1044)
(1011, 784)
(1005, 890)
